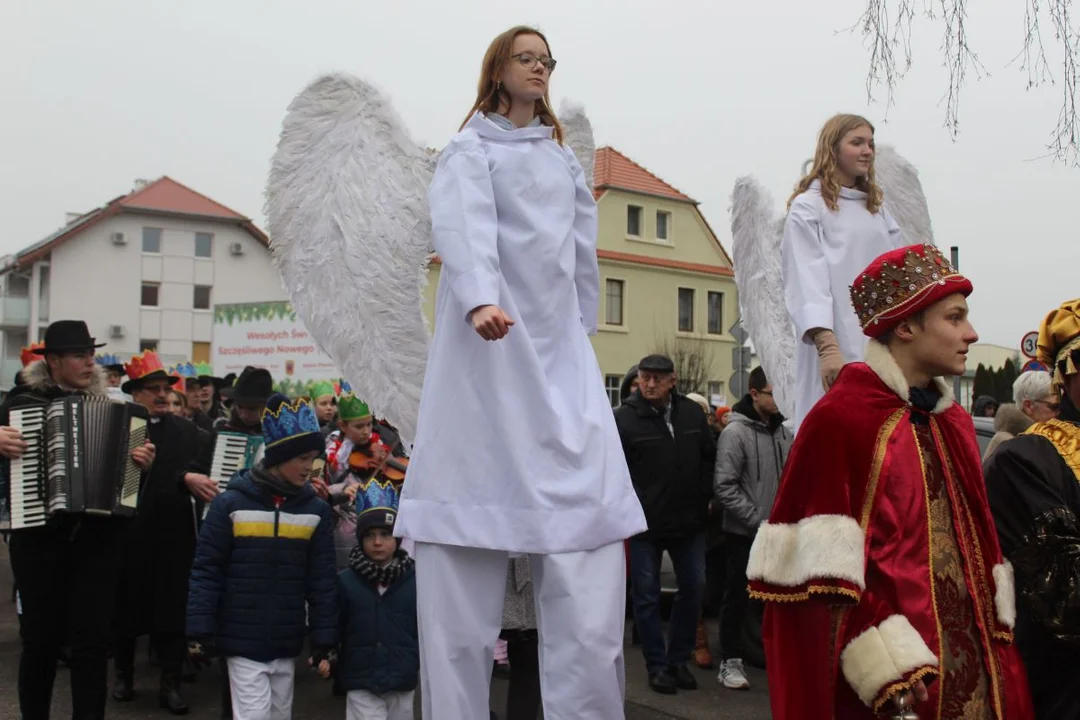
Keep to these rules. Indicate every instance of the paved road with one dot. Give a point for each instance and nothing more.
(314, 700)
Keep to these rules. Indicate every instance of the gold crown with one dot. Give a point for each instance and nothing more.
(894, 284)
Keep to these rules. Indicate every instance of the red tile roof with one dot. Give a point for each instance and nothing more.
(615, 170)
(164, 196)
(665, 263)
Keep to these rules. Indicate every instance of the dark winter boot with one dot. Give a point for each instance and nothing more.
(169, 697)
(124, 690)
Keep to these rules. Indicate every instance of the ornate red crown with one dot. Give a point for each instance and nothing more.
(902, 282)
(142, 365)
(28, 355)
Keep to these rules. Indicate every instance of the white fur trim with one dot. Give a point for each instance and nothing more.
(1005, 594)
(820, 546)
(883, 655)
(881, 361)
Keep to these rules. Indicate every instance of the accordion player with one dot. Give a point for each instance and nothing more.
(233, 452)
(78, 460)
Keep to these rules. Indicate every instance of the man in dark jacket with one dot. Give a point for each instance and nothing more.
(160, 543)
(749, 462)
(264, 569)
(670, 452)
(66, 570)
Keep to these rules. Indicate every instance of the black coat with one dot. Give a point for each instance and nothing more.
(160, 544)
(672, 475)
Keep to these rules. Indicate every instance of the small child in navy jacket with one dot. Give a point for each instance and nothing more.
(264, 569)
(380, 647)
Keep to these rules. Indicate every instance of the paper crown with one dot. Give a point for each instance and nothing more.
(185, 370)
(284, 419)
(351, 408)
(1059, 341)
(900, 283)
(28, 355)
(108, 360)
(204, 370)
(376, 505)
(322, 388)
(142, 365)
(343, 387)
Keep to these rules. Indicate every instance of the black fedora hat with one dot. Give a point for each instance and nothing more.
(67, 336)
(255, 385)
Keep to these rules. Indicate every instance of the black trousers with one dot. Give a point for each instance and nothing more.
(171, 649)
(736, 600)
(67, 577)
(523, 697)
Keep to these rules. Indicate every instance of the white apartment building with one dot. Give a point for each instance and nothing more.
(144, 271)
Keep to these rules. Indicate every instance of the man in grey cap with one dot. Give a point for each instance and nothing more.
(670, 452)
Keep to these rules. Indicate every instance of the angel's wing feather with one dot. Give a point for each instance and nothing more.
(904, 197)
(350, 233)
(578, 135)
(756, 231)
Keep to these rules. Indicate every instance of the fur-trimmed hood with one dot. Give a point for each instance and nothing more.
(882, 363)
(36, 378)
(1011, 419)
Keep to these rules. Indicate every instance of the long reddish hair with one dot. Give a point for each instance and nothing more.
(826, 165)
(489, 92)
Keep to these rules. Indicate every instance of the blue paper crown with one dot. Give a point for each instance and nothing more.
(107, 359)
(345, 387)
(283, 419)
(376, 496)
(186, 370)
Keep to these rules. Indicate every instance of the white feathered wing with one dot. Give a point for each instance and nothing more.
(350, 234)
(756, 231)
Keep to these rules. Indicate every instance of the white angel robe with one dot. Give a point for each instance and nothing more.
(821, 254)
(516, 445)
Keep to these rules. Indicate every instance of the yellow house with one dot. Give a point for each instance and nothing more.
(666, 284)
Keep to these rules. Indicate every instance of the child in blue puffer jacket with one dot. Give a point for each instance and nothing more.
(380, 647)
(264, 571)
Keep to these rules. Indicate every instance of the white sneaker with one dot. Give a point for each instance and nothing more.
(732, 675)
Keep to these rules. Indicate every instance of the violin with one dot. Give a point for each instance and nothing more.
(368, 462)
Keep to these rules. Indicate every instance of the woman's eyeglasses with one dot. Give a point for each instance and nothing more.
(528, 61)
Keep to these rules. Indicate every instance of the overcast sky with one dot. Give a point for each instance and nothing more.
(97, 93)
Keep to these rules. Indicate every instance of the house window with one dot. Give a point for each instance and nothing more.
(716, 387)
(686, 310)
(202, 297)
(150, 294)
(663, 223)
(633, 220)
(716, 313)
(613, 312)
(145, 345)
(613, 384)
(151, 240)
(204, 244)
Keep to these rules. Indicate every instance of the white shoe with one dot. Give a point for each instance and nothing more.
(732, 675)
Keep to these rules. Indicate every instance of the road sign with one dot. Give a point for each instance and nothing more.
(1030, 345)
(738, 332)
(1034, 366)
(740, 357)
(739, 383)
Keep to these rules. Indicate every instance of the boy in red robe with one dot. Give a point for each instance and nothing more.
(885, 586)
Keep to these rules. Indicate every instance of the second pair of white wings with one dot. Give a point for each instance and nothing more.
(757, 227)
(350, 231)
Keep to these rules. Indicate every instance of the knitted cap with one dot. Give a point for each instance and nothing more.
(290, 429)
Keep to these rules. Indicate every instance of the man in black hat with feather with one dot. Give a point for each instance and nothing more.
(66, 570)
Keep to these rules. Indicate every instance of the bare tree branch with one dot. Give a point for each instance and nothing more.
(886, 25)
(693, 360)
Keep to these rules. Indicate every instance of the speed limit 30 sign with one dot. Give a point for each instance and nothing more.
(1030, 345)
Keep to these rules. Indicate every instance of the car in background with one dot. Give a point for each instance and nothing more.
(984, 432)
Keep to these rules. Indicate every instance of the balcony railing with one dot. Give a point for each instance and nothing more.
(14, 311)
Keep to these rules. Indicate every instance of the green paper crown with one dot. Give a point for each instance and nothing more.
(322, 388)
(350, 407)
(204, 370)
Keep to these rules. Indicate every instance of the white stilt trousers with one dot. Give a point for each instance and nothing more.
(580, 609)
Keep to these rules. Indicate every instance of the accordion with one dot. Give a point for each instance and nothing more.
(233, 452)
(78, 459)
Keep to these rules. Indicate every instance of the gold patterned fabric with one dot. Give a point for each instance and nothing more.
(964, 684)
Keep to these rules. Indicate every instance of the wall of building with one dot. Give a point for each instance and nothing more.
(688, 236)
(100, 282)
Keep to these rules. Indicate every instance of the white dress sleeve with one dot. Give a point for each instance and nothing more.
(587, 269)
(464, 225)
(805, 270)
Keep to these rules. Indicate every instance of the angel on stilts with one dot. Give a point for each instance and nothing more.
(793, 274)
(511, 213)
